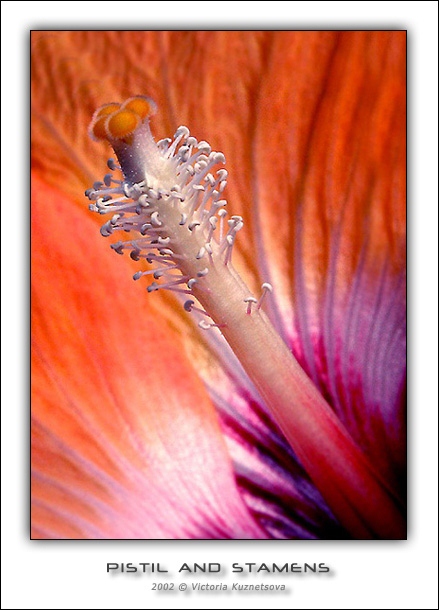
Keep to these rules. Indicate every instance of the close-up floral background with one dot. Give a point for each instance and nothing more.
(143, 426)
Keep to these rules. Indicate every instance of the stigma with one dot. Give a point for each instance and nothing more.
(167, 195)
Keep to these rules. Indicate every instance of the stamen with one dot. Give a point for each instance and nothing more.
(250, 301)
(221, 214)
(155, 219)
(229, 241)
(266, 287)
(164, 240)
(171, 285)
(189, 306)
(111, 163)
(155, 272)
(207, 325)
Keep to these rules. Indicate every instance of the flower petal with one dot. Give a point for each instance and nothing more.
(125, 441)
(321, 189)
(272, 480)
(331, 224)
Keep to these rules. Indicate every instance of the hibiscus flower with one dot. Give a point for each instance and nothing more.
(145, 426)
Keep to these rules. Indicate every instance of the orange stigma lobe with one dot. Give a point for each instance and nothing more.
(143, 106)
(122, 123)
(97, 128)
(106, 109)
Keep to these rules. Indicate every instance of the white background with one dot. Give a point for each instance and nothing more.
(365, 575)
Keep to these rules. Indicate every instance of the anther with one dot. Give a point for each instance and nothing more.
(164, 143)
(126, 189)
(250, 301)
(182, 151)
(213, 221)
(155, 219)
(218, 157)
(118, 247)
(152, 287)
(164, 240)
(111, 164)
(221, 214)
(266, 287)
(204, 146)
(210, 179)
(143, 201)
(169, 252)
(204, 325)
(189, 306)
(106, 229)
(229, 241)
(182, 131)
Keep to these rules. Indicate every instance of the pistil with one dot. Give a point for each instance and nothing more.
(170, 199)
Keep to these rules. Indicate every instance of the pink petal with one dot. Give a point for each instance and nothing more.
(125, 442)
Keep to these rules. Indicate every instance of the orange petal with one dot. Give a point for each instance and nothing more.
(125, 441)
(331, 167)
